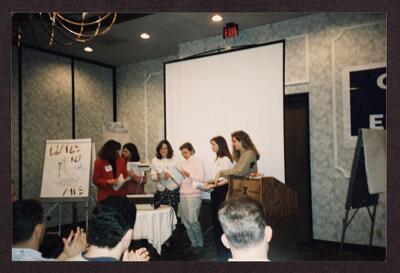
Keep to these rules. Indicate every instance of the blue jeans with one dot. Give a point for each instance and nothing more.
(189, 210)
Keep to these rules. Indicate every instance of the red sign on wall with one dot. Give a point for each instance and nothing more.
(231, 30)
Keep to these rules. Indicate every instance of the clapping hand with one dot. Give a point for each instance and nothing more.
(140, 255)
(75, 243)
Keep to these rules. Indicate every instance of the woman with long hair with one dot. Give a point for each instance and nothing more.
(167, 189)
(222, 161)
(245, 155)
(108, 167)
(131, 154)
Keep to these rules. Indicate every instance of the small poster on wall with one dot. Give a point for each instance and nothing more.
(117, 130)
(364, 99)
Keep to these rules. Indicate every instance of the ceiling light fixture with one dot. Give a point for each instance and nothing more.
(144, 35)
(67, 28)
(216, 18)
(88, 49)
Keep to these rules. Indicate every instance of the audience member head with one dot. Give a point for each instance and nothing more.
(130, 152)
(220, 147)
(111, 223)
(244, 227)
(241, 140)
(187, 150)
(28, 228)
(164, 150)
(110, 150)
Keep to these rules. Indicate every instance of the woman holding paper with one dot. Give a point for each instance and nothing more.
(130, 154)
(245, 155)
(223, 161)
(109, 172)
(193, 171)
(161, 165)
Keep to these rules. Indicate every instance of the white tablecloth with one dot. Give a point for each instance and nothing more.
(155, 225)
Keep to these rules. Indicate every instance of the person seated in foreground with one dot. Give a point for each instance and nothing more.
(28, 229)
(245, 231)
(110, 232)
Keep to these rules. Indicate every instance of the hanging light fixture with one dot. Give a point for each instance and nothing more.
(67, 28)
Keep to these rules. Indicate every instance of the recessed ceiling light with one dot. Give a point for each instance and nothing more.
(144, 35)
(88, 49)
(216, 18)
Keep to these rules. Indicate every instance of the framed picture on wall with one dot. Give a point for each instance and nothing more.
(364, 99)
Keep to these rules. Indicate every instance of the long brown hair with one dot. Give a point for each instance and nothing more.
(247, 144)
(223, 149)
(109, 150)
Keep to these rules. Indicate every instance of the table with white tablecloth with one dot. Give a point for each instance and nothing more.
(155, 225)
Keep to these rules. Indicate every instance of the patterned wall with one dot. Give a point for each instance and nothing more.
(138, 85)
(93, 100)
(308, 62)
(93, 105)
(47, 112)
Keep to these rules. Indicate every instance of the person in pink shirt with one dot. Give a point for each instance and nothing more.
(192, 169)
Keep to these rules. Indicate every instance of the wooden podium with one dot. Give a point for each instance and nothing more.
(280, 203)
(277, 198)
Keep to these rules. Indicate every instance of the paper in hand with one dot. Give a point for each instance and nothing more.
(121, 182)
(199, 186)
(176, 175)
(133, 166)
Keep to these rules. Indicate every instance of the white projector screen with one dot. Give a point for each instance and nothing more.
(219, 94)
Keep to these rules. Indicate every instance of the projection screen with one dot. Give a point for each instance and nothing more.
(219, 94)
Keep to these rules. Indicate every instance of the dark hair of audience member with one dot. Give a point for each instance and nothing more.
(243, 221)
(110, 220)
(169, 147)
(135, 157)
(26, 214)
(223, 149)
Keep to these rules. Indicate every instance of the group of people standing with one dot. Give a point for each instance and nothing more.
(181, 195)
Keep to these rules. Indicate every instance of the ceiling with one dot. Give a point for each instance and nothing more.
(122, 44)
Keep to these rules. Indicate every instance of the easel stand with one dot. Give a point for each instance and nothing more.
(74, 201)
(347, 221)
(358, 195)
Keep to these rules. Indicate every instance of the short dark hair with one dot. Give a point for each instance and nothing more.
(189, 146)
(26, 215)
(109, 149)
(133, 150)
(110, 220)
(243, 221)
(169, 147)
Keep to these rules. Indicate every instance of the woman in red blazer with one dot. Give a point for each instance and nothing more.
(108, 166)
